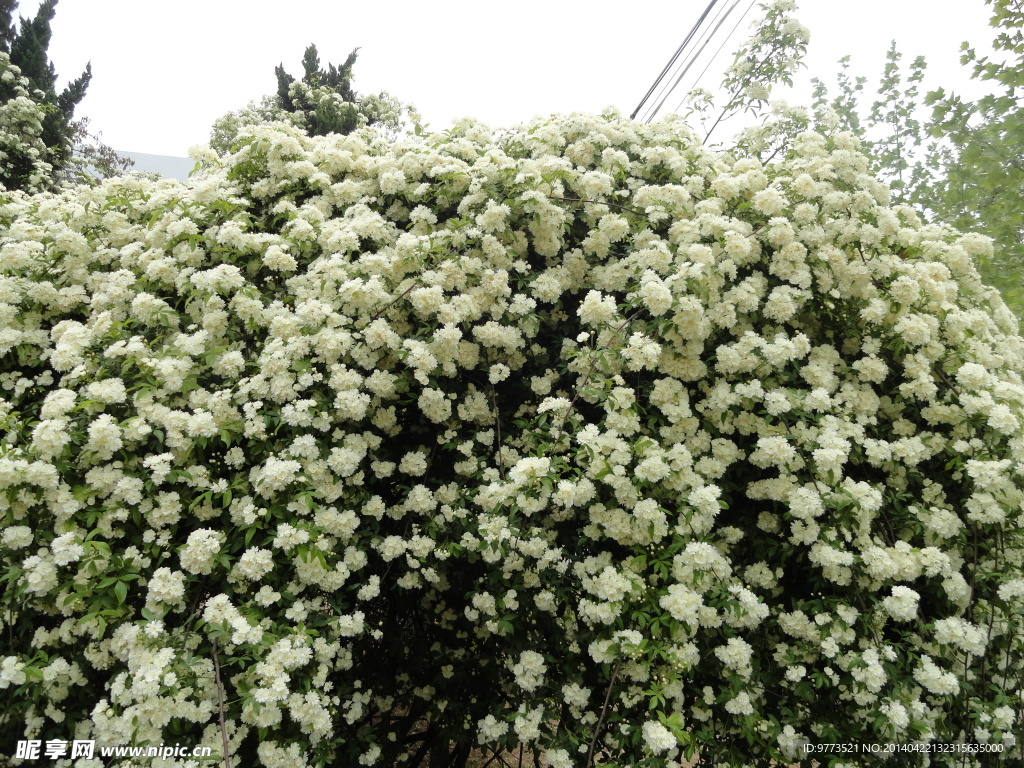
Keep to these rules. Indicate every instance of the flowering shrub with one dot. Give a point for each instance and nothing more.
(312, 108)
(23, 153)
(579, 436)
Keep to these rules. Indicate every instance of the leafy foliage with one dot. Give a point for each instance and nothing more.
(579, 439)
(983, 170)
(963, 163)
(43, 144)
(321, 102)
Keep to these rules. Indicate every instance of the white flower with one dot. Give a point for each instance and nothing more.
(896, 714)
(288, 537)
(558, 758)
(962, 634)
(529, 468)
(12, 672)
(166, 586)
(17, 537)
(275, 475)
(1001, 419)
(682, 603)
(529, 670)
(413, 463)
(435, 405)
(104, 437)
(596, 309)
(66, 549)
(198, 554)
(657, 737)
(934, 680)
(252, 565)
(50, 436)
(656, 296)
(557, 404)
(40, 575)
(902, 603)
(736, 655)
(490, 729)
(740, 704)
(498, 373)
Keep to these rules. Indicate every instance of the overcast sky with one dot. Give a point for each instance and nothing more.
(162, 72)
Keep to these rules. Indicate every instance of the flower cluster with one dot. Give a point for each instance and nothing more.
(23, 153)
(577, 436)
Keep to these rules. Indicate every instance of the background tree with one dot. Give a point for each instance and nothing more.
(28, 49)
(69, 151)
(960, 161)
(963, 162)
(983, 165)
(91, 159)
(322, 101)
(324, 96)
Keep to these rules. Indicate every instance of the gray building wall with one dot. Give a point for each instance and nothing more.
(165, 165)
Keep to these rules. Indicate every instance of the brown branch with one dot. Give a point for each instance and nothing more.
(220, 704)
(600, 720)
(598, 202)
(392, 303)
(497, 439)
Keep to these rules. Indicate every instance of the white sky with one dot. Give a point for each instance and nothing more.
(162, 72)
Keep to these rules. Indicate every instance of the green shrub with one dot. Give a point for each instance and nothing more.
(579, 436)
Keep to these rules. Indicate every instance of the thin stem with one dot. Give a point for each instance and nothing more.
(598, 202)
(394, 301)
(220, 704)
(497, 425)
(600, 721)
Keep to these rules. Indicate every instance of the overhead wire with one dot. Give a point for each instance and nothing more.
(718, 52)
(675, 56)
(693, 59)
(684, 63)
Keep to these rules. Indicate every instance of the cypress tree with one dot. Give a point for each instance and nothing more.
(7, 24)
(325, 117)
(28, 49)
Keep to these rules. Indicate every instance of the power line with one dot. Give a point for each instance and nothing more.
(674, 57)
(719, 51)
(684, 64)
(693, 59)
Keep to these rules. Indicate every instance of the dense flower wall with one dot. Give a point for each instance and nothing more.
(578, 436)
(23, 153)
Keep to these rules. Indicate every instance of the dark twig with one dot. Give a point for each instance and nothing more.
(220, 704)
(598, 202)
(394, 301)
(600, 721)
(497, 439)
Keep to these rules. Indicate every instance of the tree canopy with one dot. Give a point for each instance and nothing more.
(579, 439)
(322, 101)
(27, 45)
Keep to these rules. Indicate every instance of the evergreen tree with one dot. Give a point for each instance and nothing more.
(7, 29)
(28, 49)
(322, 101)
(337, 114)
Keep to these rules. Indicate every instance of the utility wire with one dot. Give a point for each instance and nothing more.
(674, 57)
(719, 51)
(693, 59)
(682, 60)
(684, 63)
